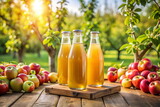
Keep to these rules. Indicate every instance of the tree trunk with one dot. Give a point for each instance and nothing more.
(118, 54)
(137, 57)
(14, 55)
(39, 53)
(52, 62)
(20, 54)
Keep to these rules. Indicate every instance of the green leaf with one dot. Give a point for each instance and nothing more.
(129, 50)
(127, 20)
(138, 10)
(143, 2)
(158, 48)
(136, 29)
(122, 5)
(134, 50)
(141, 38)
(141, 47)
(124, 46)
(130, 40)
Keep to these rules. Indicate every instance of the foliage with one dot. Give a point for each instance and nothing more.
(139, 45)
(89, 15)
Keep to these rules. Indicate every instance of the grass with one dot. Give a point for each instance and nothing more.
(109, 57)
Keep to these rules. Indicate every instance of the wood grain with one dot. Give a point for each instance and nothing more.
(115, 100)
(132, 98)
(28, 99)
(90, 93)
(93, 103)
(69, 102)
(47, 100)
(9, 98)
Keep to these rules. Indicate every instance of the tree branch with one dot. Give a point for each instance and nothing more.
(156, 3)
(8, 22)
(145, 50)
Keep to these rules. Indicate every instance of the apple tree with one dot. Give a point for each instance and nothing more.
(138, 44)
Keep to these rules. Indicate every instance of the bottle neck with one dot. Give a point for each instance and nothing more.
(65, 40)
(77, 38)
(94, 39)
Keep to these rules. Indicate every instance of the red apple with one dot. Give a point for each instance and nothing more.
(23, 76)
(121, 78)
(152, 76)
(2, 67)
(16, 84)
(145, 73)
(112, 76)
(27, 68)
(137, 80)
(21, 70)
(126, 82)
(43, 77)
(154, 68)
(45, 72)
(121, 71)
(112, 69)
(154, 87)
(144, 85)
(3, 87)
(35, 67)
(46, 77)
(133, 66)
(39, 78)
(144, 64)
(131, 73)
(11, 72)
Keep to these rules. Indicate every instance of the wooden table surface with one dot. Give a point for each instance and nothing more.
(38, 98)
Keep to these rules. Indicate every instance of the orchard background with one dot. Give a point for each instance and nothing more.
(30, 30)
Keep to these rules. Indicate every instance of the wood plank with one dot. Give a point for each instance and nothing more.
(47, 100)
(152, 100)
(132, 98)
(28, 99)
(90, 93)
(115, 100)
(92, 103)
(9, 98)
(69, 102)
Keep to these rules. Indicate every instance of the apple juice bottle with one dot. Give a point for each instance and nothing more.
(95, 62)
(77, 63)
(63, 58)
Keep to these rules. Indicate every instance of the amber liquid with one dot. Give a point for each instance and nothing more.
(77, 67)
(95, 66)
(63, 63)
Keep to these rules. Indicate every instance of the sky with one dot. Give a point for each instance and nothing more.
(74, 5)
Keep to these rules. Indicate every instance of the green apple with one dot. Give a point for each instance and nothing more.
(11, 72)
(34, 79)
(28, 86)
(4, 78)
(16, 84)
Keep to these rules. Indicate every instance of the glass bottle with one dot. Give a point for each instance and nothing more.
(95, 62)
(63, 58)
(77, 63)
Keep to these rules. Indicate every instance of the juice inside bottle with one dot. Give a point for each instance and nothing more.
(63, 58)
(77, 63)
(95, 62)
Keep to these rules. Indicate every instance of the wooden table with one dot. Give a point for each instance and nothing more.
(38, 98)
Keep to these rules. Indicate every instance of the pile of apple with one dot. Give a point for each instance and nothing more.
(23, 77)
(142, 75)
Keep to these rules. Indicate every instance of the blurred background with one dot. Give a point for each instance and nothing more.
(27, 26)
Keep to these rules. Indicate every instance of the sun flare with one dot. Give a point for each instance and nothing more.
(37, 7)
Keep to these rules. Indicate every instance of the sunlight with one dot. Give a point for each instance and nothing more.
(37, 7)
